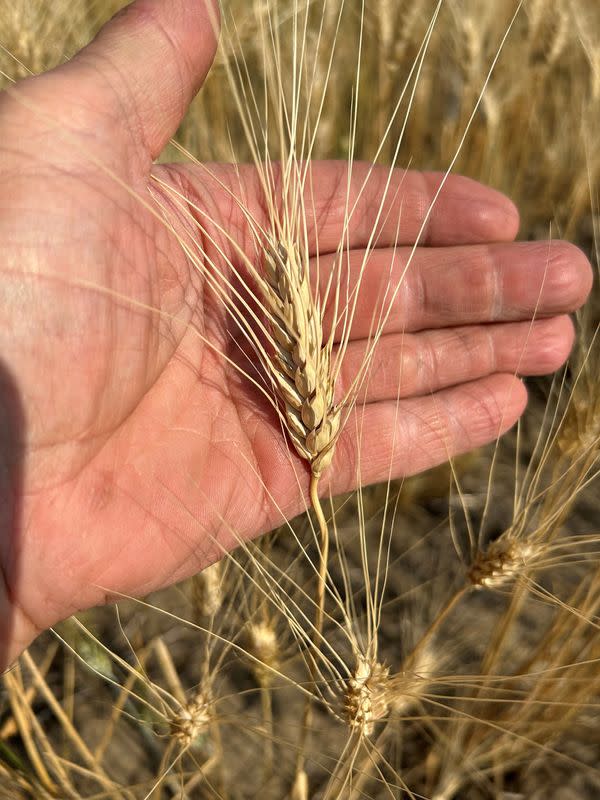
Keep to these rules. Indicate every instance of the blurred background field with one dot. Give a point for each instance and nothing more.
(70, 731)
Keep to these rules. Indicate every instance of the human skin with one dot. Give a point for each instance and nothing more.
(131, 455)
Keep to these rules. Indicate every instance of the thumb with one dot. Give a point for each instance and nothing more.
(149, 62)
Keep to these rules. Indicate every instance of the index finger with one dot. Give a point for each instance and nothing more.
(386, 208)
(391, 208)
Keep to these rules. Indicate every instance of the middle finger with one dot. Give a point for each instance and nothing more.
(448, 286)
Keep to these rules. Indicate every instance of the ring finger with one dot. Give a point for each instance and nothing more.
(408, 365)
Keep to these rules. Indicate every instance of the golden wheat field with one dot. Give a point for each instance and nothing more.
(433, 637)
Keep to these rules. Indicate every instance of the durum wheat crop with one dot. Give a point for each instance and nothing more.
(435, 637)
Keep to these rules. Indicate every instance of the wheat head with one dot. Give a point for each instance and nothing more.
(301, 364)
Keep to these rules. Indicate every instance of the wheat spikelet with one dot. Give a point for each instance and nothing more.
(192, 720)
(472, 48)
(536, 10)
(502, 562)
(366, 699)
(207, 588)
(300, 788)
(263, 645)
(579, 433)
(301, 364)
(411, 14)
(559, 39)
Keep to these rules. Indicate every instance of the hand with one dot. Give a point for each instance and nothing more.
(128, 448)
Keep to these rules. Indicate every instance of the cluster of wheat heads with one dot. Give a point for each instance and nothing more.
(436, 640)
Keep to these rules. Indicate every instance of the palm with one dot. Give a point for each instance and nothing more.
(142, 413)
(135, 454)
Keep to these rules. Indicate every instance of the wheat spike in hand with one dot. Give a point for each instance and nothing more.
(126, 444)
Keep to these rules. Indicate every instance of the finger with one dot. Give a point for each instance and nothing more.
(148, 63)
(405, 365)
(419, 433)
(465, 212)
(465, 285)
